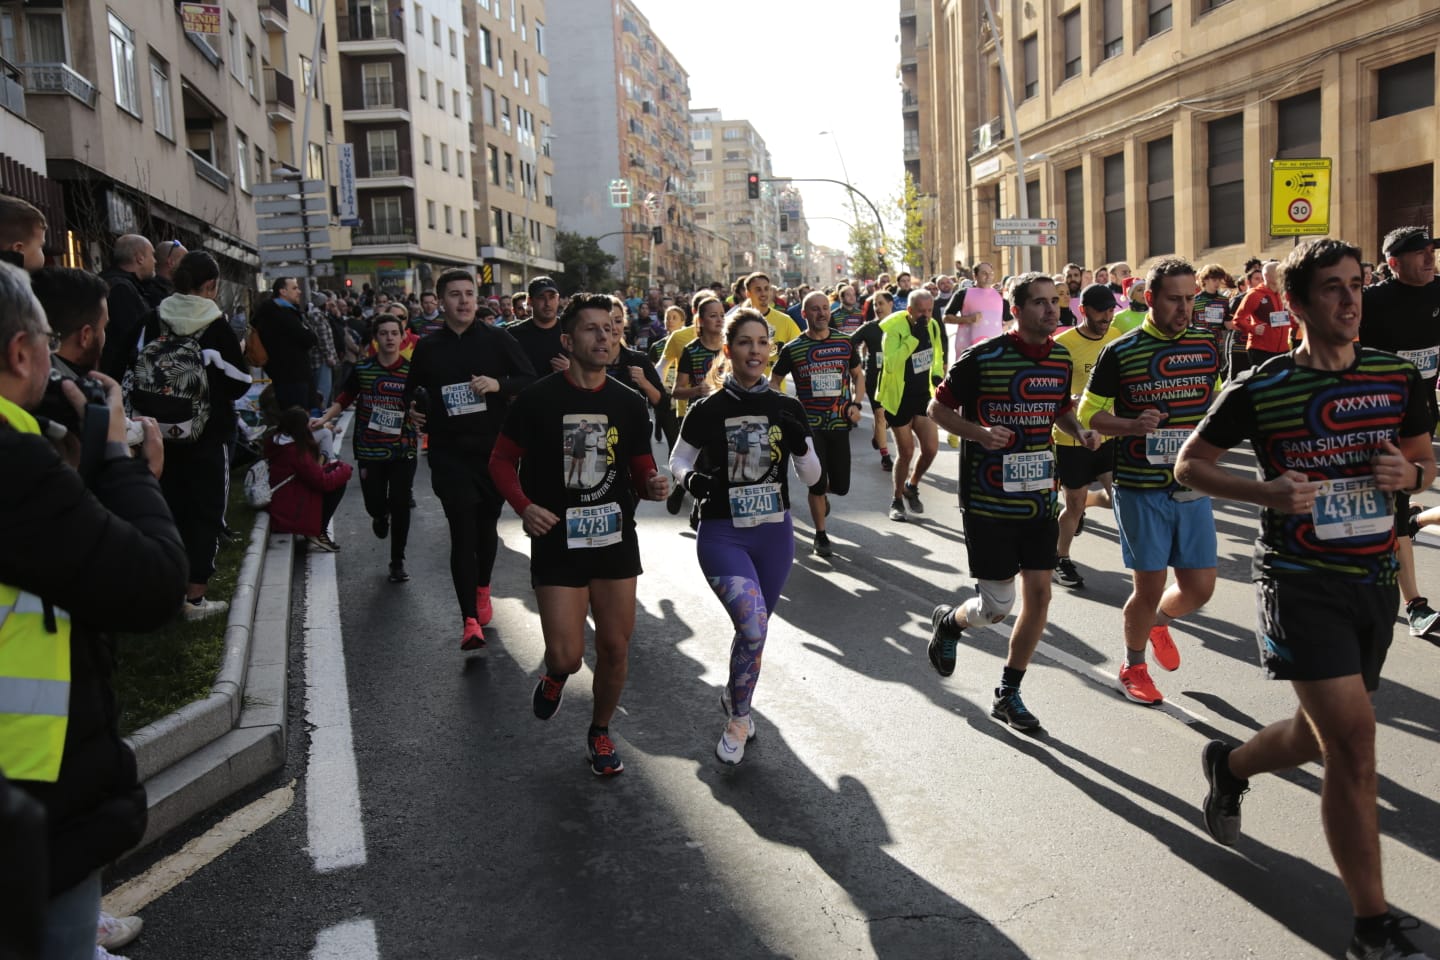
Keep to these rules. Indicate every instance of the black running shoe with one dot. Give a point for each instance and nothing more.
(381, 525)
(887, 463)
(1009, 707)
(675, 500)
(1394, 946)
(398, 574)
(912, 498)
(1222, 800)
(1066, 575)
(822, 544)
(943, 638)
(545, 701)
(897, 510)
(604, 761)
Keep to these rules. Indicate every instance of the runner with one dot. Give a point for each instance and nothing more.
(913, 364)
(1150, 388)
(761, 298)
(1212, 307)
(1338, 430)
(1002, 398)
(539, 335)
(633, 368)
(693, 378)
(826, 367)
(845, 314)
(384, 438)
(745, 543)
(1078, 466)
(584, 556)
(1263, 318)
(872, 340)
(467, 372)
(1402, 315)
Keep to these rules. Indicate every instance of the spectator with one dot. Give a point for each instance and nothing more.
(132, 263)
(196, 474)
(75, 305)
(287, 340)
(305, 504)
(323, 359)
(22, 234)
(84, 561)
(162, 284)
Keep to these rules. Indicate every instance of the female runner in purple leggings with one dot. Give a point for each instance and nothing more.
(732, 454)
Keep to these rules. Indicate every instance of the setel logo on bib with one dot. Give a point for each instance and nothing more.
(1351, 507)
(386, 420)
(755, 504)
(1163, 446)
(589, 527)
(460, 399)
(1427, 361)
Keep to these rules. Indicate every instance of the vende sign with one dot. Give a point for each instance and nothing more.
(202, 18)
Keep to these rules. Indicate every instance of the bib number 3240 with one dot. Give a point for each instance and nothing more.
(755, 504)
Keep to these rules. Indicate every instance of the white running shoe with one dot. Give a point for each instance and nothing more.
(115, 932)
(738, 731)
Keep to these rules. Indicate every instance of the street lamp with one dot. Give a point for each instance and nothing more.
(836, 140)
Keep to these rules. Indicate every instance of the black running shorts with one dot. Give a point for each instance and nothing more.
(552, 564)
(833, 449)
(999, 549)
(1079, 467)
(1319, 628)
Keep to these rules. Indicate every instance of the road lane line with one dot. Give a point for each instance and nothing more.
(351, 940)
(332, 782)
(139, 892)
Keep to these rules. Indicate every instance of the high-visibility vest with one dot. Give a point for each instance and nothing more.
(34, 669)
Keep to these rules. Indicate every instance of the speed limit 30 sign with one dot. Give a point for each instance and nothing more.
(1299, 197)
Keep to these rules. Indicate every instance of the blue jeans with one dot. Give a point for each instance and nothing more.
(71, 921)
(324, 378)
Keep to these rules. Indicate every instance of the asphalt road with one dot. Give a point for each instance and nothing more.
(881, 812)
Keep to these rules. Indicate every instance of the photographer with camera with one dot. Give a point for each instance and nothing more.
(77, 561)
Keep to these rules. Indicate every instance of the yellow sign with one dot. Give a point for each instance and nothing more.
(1300, 197)
(201, 18)
(487, 273)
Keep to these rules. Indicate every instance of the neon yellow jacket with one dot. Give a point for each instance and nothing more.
(896, 348)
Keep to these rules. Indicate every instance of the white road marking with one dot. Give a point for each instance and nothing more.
(332, 794)
(139, 892)
(352, 940)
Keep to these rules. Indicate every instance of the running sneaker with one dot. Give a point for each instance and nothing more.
(545, 701)
(103, 954)
(200, 610)
(473, 638)
(1166, 653)
(1066, 575)
(484, 610)
(887, 463)
(322, 544)
(381, 525)
(944, 635)
(1135, 681)
(1394, 946)
(1222, 800)
(115, 932)
(912, 498)
(737, 732)
(1009, 707)
(398, 574)
(822, 544)
(728, 710)
(604, 761)
(1422, 618)
(675, 500)
(897, 510)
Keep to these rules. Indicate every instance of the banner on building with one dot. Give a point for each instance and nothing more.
(346, 205)
(201, 18)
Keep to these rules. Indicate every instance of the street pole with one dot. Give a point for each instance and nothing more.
(854, 212)
(855, 190)
(1022, 254)
(304, 149)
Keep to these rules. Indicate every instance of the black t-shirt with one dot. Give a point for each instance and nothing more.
(918, 378)
(872, 338)
(1405, 320)
(739, 435)
(620, 370)
(443, 364)
(541, 344)
(577, 448)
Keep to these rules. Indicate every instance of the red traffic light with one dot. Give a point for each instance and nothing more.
(753, 184)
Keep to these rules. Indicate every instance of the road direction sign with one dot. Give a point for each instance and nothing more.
(291, 205)
(297, 256)
(288, 188)
(1027, 239)
(278, 241)
(294, 222)
(1031, 225)
(1300, 197)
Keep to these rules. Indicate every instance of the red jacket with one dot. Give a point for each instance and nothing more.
(296, 507)
(1253, 318)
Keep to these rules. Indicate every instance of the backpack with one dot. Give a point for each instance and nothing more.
(258, 491)
(169, 383)
(255, 353)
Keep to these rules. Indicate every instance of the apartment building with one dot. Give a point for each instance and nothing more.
(621, 105)
(406, 112)
(512, 169)
(916, 108)
(22, 154)
(1148, 126)
(724, 154)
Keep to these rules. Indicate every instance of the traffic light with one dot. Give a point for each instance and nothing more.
(784, 223)
(753, 182)
(657, 234)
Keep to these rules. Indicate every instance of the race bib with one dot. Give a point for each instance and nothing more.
(1215, 314)
(386, 420)
(920, 360)
(1350, 507)
(1279, 318)
(1027, 472)
(1163, 446)
(589, 527)
(755, 504)
(825, 384)
(459, 399)
(1427, 361)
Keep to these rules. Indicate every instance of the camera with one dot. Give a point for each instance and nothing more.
(56, 407)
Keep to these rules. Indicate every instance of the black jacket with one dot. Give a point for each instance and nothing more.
(445, 359)
(287, 339)
(112, 558)
(128, 309)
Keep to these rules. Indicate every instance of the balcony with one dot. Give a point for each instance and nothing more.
(907, 61)
(384, 233)
(377, 103)
(275, 16)
(59, 78)
(912, 145)
(12, 88)
(208, 172)
(907, 10)
(909, 102)
(986, 136)
(279, 96)
(370, 30)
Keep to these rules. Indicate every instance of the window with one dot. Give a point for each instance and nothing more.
(387, 217)
(1159, 20)
(464, 224)
(454, 48)
(540, 38)
(487, 105)
(1070, 28)
(45, 37)
(383, 147)
(493, 161)
(733, 133)
(237, 50)
(550, 191)
(1207, 5)
(735, 176)
(460, 163)
(424, 79)
(497, 226)
(1299, 122)
(435, 34)
(1406, 86)
(242, 161)
(515, 71)
(427, 149)
(1160, 194)
(444, 156)
(252, 69)
(1226, 178)
(315, 162)
(260, 166)
(430, 213)
(449, 219)
(302, 5)
(1032, 204)
(542, 89)
(505, 115)
(377, 80)
(418, 15)
(510, 172)
(160, 97)
(1113, 15)
(1030, 52)
(122, 62)
(455, 103)
(1115, 208)
(440, 94)
(1075, 215)
(486, 58)
(307, 75)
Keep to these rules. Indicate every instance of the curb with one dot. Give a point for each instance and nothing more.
(207, 750)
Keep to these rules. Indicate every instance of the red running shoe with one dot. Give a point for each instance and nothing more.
(473, 637)
(1166, 653)
(484, 612)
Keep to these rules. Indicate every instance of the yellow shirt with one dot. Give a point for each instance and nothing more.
(678, 341)
(1083, 353)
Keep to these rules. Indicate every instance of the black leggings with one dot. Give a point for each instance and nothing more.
(195, 482)
(472, 508)
(386, 486)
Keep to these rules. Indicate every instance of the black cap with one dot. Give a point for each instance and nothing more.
(1098, 296)
(1409, 243)
(540, 285)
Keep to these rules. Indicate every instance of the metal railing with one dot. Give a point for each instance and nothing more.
(986, 136)
(379, 92)
(208, 172)
(384, 231)
(59, 78)
(279, 89)
(370, 23)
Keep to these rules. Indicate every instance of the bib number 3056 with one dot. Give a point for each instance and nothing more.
(1350, 507)
(1027, 472)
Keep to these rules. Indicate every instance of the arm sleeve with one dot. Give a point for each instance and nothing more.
(807, 465)
(682, 460)
(642, 468)
(958, 390)
(1227, 423)
(505, 472)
